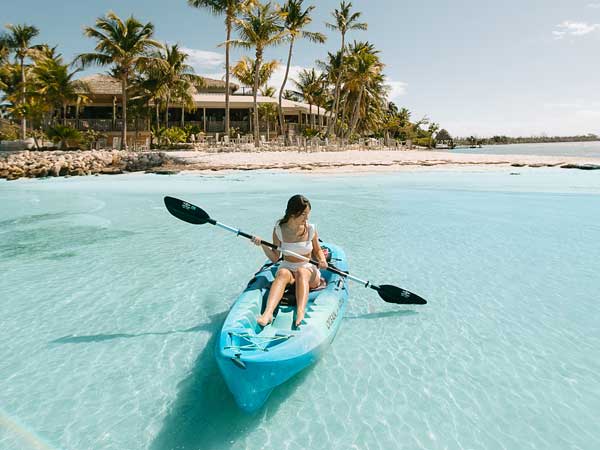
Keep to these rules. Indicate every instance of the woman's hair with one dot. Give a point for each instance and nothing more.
(295, 206)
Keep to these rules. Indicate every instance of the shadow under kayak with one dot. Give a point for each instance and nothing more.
(254, 360)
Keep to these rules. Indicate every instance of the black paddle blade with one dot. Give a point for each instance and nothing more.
(186, 211)
(394, 294)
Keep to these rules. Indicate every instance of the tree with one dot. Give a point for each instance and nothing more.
(344, 21)
(363, 70)
(19, 41)
(123, 44)
(231, 9)
(176, 77)
(259, 28)
(244, 72)
(309, 86)
(54, 84)
(295, 21)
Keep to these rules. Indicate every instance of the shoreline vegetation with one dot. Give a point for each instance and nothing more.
(36, 164)
(507, 140)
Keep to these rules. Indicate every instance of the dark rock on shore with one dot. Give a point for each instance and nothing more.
(581, 166)
(34, 164)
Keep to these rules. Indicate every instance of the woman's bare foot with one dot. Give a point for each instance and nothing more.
(264, 320)
(299, 318)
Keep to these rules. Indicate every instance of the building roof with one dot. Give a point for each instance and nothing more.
(101, 84)
(246, 101)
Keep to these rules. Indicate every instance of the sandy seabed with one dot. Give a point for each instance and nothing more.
(366, 160)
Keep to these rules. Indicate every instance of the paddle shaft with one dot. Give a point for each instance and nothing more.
(289, 253)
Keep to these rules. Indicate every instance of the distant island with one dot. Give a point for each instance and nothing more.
(502, 140)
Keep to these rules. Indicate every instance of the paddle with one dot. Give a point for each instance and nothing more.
(197, 216)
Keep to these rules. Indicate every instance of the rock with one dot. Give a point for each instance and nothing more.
(581, 166)
(163, 171)
(111, 171)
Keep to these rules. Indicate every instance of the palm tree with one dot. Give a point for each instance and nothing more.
(19, 40)
(244, 72)
(176, 77)
(344, 21)
(259, 28)
(363, 69)
(54, 83)
(308, 87)
(295, 21)
(124, 44)
(231, 9)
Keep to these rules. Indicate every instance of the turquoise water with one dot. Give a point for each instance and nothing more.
(109, 308)
(579, 149)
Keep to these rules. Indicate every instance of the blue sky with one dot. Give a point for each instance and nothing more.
(517, 67)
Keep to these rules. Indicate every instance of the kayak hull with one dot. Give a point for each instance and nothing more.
(254, 360)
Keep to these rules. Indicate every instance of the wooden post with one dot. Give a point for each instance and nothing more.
(204, 118)
(77, 113)
(114, 115)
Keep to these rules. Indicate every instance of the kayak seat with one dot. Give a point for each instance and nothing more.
(289, 295)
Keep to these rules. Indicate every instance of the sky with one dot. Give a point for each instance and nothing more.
(475, 67)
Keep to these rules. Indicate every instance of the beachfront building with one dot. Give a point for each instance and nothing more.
(102, 112)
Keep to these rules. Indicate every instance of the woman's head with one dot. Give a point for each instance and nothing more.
(296, 206)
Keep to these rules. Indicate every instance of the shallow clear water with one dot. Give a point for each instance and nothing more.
(579, 149)
(109, 308)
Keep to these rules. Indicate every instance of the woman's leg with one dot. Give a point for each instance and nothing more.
(282, 279)
(315, 278)
(303, 276)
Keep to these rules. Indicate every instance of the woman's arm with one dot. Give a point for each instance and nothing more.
(318, 252)
(273, 255)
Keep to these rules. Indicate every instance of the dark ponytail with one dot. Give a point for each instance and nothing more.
(295, 206)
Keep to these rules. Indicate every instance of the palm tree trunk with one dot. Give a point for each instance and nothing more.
(167, 111)
(64, 114)
(23, 91)
(124, 106)
(228, 26)
(254, 94)
(157, 114)
(285, 77)
(338, 82)
(355, 112)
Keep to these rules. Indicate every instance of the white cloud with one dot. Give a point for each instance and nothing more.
(593, 5)
(574, 29)
(397, 89)
(202, 60)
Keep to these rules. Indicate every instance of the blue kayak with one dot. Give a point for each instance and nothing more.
(254, 360)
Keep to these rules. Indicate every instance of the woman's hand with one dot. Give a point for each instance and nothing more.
(322, 264)
(256, 240)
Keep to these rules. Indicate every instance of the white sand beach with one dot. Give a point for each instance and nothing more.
(365, 160)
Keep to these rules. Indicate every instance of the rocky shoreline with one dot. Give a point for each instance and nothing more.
(38, 164)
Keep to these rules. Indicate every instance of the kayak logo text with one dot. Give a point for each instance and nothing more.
(333, 315)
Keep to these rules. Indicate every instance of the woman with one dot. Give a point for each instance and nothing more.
(295, 234)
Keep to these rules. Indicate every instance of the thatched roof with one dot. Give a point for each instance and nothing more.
(100, 84)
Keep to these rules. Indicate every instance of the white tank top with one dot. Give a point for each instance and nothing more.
(302, 247)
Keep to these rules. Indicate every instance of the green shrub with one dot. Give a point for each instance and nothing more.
(65, 135)
(8, 131)
(175, 135)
